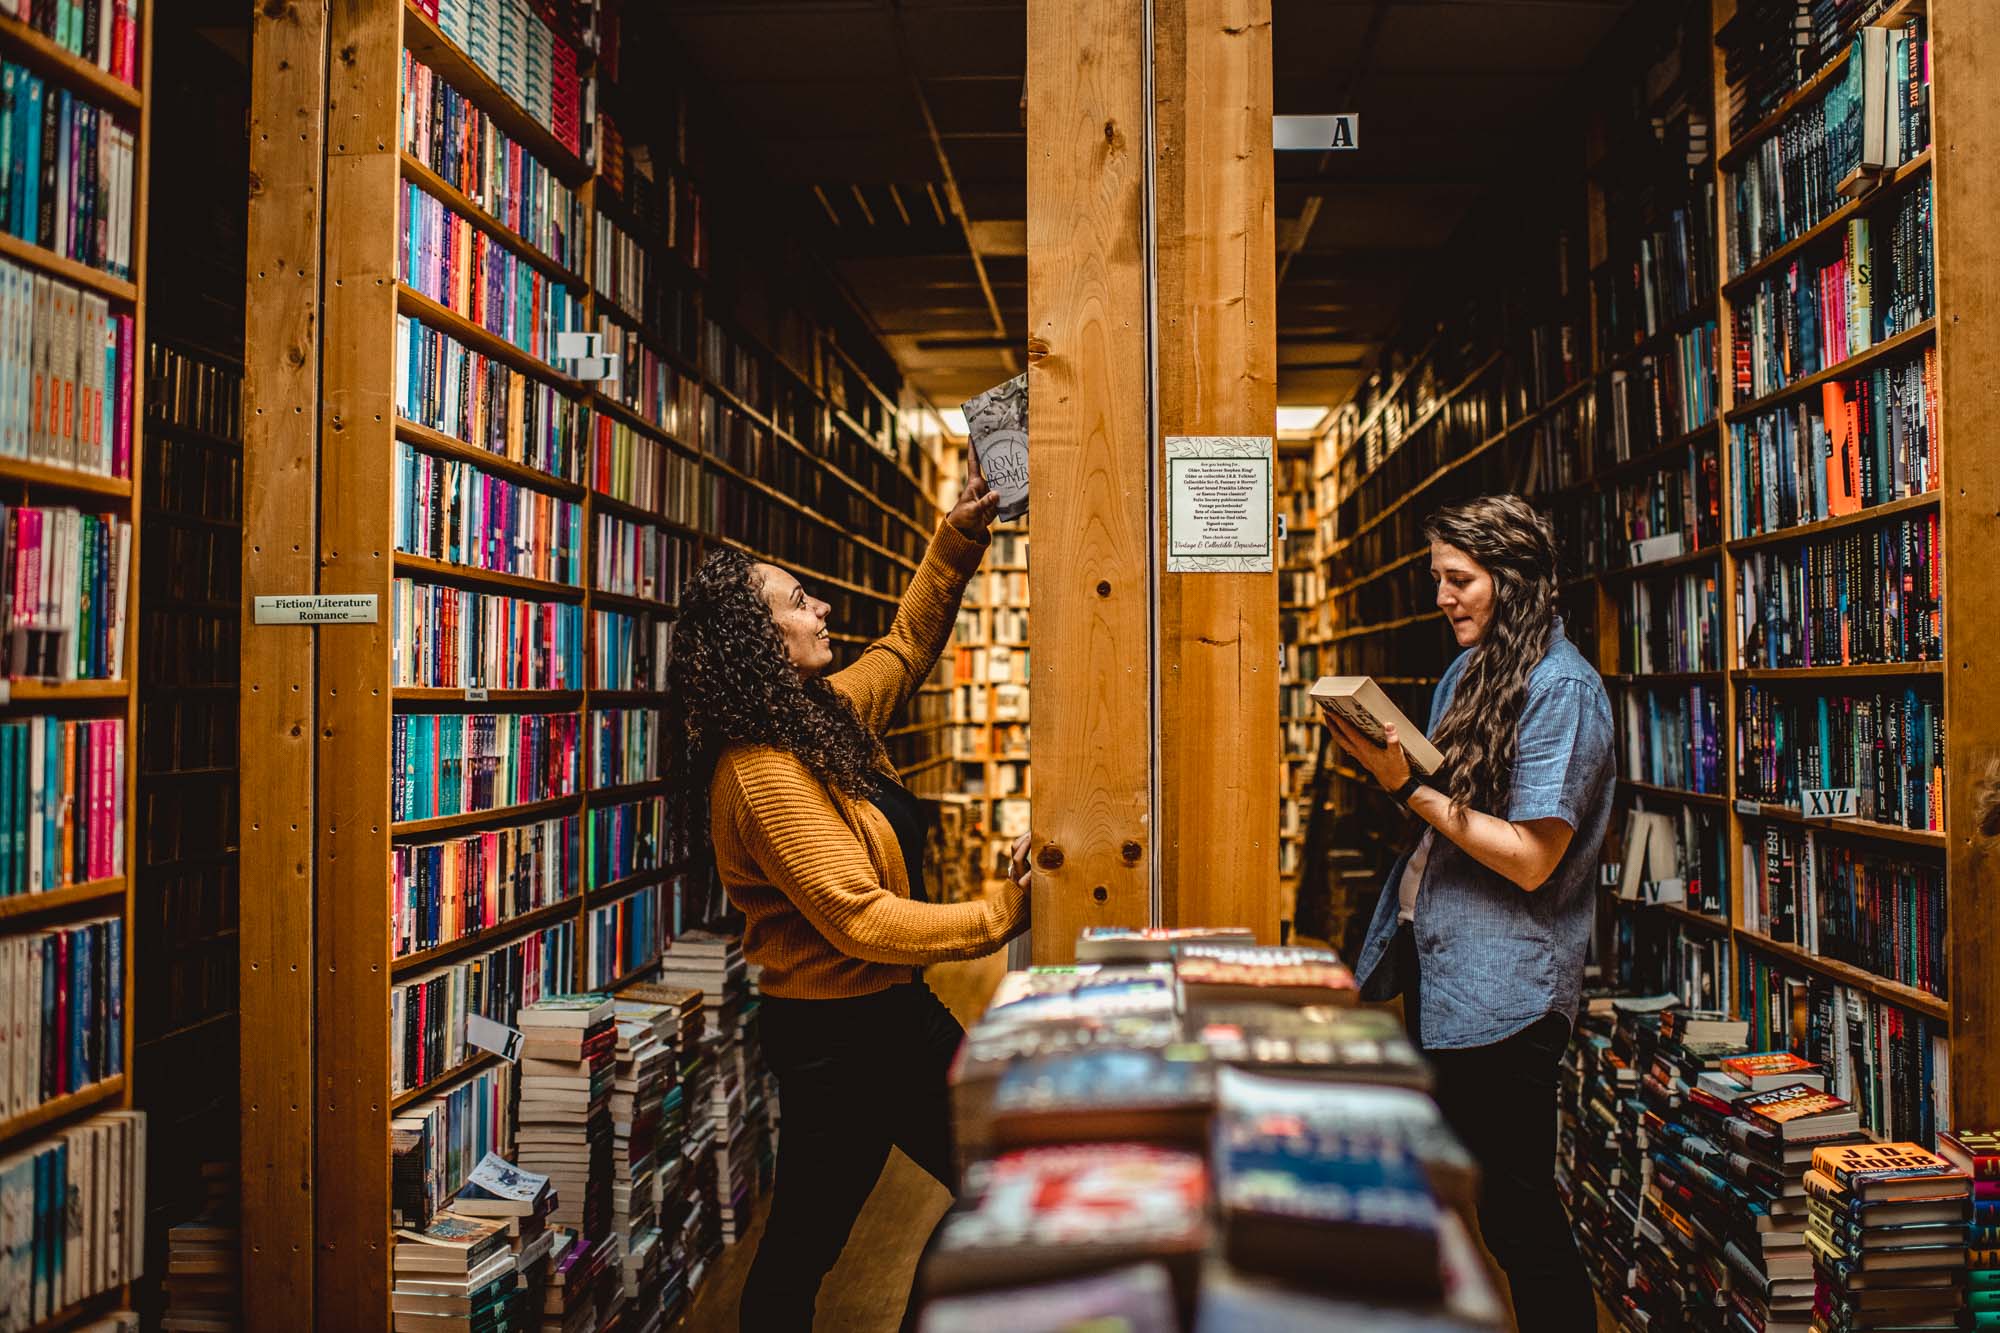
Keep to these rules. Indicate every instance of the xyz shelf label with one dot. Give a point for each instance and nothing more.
(317, 609)
(1829, 802)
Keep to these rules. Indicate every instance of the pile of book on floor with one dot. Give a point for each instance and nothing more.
(1976, 1152)
(563, 1131)
(713, 963)
(677, 1200)
(644, 1067)
(203, 1284)
(1887, 1229)
(1189, 1126)
(456, 1273)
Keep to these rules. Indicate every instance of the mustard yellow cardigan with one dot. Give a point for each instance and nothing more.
(819, 876)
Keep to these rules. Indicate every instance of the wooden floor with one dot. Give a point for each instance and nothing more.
(866, 1290)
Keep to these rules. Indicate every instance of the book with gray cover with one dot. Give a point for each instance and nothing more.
(997, 421)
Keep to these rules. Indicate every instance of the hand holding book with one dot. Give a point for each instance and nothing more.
(977, 502)
(1386, 762)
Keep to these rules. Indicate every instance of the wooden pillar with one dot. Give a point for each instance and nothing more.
(1087, 414)
(280, 460)
(1966, 54)
(1218, 744)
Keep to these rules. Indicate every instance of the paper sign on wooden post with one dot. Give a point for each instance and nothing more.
(488, 1035)
(1219, 512)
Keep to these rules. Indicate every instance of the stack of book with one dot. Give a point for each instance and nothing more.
(1211, 974)
(713, 963)
(456, 1273)
(645, 1066)
(520, 1201)
(563, 1126)
(1887, 1234)
(1977, 1154)
(202, 1280)
(676, 1201)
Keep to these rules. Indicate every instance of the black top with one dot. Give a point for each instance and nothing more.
(905, 815)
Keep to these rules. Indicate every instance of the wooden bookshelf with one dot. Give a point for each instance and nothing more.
(334, 683)
(999, 589)
(29, 482)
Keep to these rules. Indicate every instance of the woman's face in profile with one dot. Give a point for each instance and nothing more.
(1464, 592)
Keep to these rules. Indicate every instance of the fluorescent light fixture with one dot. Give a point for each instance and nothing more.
(1297, 421)
(954, 422)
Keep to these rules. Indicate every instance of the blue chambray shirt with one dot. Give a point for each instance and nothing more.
(1495, 957)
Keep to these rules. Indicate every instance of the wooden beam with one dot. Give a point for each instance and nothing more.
(1087, 387)
(356, 555)
(1218, 375)
(1966, 45)
(280, 450)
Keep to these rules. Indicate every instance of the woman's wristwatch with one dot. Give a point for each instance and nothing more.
(1408, 789)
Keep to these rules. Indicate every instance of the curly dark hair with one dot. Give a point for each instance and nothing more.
(730, 683)
(1517, 546)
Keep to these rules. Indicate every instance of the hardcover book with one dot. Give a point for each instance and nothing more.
(1154, 944)
(1798, 1111)
(1228, 974)
(1357, 1045)
(997, 421)
(1773, 1069)
(1883, 1171)
(1106, 1094)
(1360, 702)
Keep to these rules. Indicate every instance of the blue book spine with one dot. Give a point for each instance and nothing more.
(28, 161)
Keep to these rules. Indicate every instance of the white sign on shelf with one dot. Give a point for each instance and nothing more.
(1219, 517)
(1830, 802)
(586, 356)
(475, 694)
(1316, 133)
(316, 609)
(488, 1035)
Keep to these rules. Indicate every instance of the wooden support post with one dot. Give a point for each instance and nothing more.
(1087, 387)
(1965, 36)
(280, 459)
(1218, 356)
(356, 555)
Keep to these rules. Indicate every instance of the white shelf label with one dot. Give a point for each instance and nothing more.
(1830, 802)
(317, 609)
(488, 1035)
(1749, 808)
(475, 694)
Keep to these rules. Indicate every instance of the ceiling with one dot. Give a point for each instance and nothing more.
(893, 130)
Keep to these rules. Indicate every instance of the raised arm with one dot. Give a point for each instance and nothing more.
(812, 857)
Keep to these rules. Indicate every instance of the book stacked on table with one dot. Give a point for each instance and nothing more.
(521, 1201)
(1151, 944)
(563, 1127)
(1887, 1233)
(1211, 974)
(456, 1273)
(1976, 1152)
(1315, 1042)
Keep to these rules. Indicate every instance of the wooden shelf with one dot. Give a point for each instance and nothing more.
(482, 941)
(807, 570)
(1382, 627)
(1842, 672)
(427, 42)
(1864, 828)
(437, 442)
(439, 570)
(23, 44)
(443, 1081)
(1423, 419)
(1895, 992)
(624, 602)
(1822, 79)
(1819, 527)
(738, 402)
(28, 906)
(1867, 359)
(618, 888)
(1642, 462)
(30, 691)
(1831, 225)
(98, 1095)
(556, 701)
(622, 698)
(478, 337)
(1668, 566)
(69, 270)
(63, 478)
(1713, 799)
(499, 818)
(626, 791)
(1663, 678)
(453, 198)
(602, 402)
(915, 728)
(934, 761)
(625, 509)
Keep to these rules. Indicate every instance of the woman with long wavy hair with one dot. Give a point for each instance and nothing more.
(821, 849)
(1482, 926)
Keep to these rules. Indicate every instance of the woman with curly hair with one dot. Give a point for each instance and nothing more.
(821, 850)
(1482, 926)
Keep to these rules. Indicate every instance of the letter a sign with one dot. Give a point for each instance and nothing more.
(1316, 133)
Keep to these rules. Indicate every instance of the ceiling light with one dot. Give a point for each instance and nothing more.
(1298, 421)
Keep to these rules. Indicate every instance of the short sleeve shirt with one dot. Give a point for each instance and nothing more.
(1495, 957)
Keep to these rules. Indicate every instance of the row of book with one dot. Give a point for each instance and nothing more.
(74, 1206)
(454, 512)
(1673, 510)
(64, 593)
(659, 195)
(631, 466)
(105, 33)
(193, 478)
(1860, 596)
(1878, 110)
(623, 272)
(1888, 746)
(623, 937)
(62, 1012)
(1882, 913)
(632, 651)
(512, 45)
(62, 802)
(190, 391)
(1857, 443)
(626, 839)
(448, 132)
(446, 386)
(635, 559)
(1678, 856)
(461, 763)
(66, 172)
(427, 1013)
(1671, 276)
(449, 258)
(1671, 736)
(444, 891)
(623, 747)
(649, 383)
(436, 1144)
(446, 637)
(1671, 623)
(65, 375)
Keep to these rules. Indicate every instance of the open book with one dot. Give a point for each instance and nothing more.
(1362, 703)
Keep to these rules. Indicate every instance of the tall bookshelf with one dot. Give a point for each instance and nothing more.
(1520, 390)
(1301, 589)
(771, 426)
(991, 711)
(96, 884)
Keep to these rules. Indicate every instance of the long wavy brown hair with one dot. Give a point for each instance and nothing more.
(730, 683)
(1517, 546)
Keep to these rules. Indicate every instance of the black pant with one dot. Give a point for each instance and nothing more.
(855, 1077)
(1501, 1102)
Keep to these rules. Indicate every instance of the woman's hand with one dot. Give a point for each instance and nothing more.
(1018, 865)
(977, 502)
(1387, 763)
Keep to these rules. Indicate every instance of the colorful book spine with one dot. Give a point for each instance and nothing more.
(62, 802)
(630, 651)
(496, 37)
(451, 637)
(1671, 623)
(439, 1141)
(640, 560)
(449, 890)
(1882, 913)
(636, 469)
(74, 1204)
(64, 590)
(457, 513)
(1671, 736)
(448, 133)
(648, 382)
(624, 936)
(1869, 595)
(65, 376)
(64, 1028)
(626, 839)
(67, 186)
(446, 386)
(461, 763)
(1888, 746)
(447, 257)
(1684, 498)
(427, 1013)
(624, 746)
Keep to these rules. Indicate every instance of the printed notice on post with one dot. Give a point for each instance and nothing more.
(316, 609)
(1219, 504)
